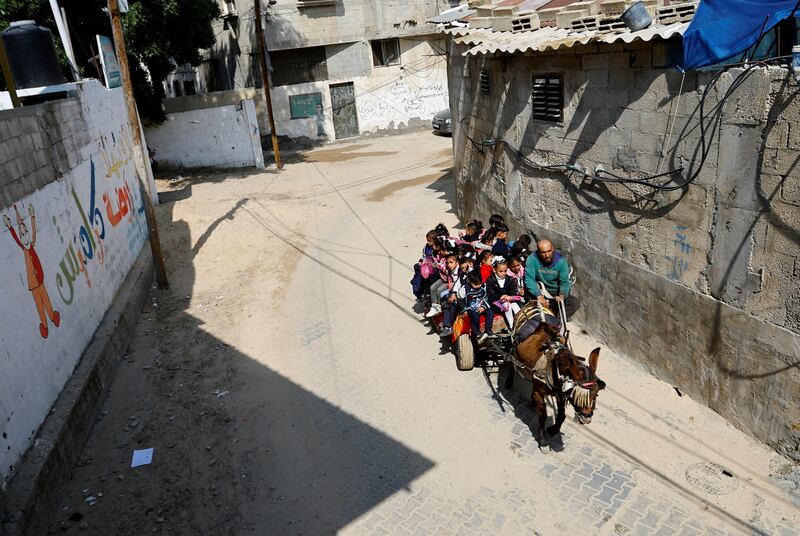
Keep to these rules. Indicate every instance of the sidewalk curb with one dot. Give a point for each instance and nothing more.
(59, 442)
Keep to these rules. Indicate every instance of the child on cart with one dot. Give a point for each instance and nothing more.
(503, 292)
(477, 306)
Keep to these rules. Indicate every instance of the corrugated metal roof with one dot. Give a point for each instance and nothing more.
(452, 15)
(486, 41)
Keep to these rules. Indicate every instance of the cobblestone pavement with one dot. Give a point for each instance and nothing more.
(623, 474)
(288, 387)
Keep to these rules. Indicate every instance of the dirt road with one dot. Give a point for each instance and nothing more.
(288, 387)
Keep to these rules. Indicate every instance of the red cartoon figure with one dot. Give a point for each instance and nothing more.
(33, 266)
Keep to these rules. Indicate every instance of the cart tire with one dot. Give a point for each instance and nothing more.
(465, 352)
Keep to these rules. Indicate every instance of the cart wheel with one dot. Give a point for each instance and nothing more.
(465, 352)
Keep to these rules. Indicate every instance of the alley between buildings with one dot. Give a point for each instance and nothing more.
(288, 386)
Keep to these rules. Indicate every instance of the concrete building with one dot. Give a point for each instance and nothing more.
(339, 68)
(698, 278)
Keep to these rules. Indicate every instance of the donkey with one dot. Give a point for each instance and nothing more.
(555, 371)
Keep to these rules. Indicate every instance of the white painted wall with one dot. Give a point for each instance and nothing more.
(388, 98)
(392, 96)
(89, 229)
(220, 137)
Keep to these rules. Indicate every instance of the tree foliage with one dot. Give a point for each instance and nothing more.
(158, 34)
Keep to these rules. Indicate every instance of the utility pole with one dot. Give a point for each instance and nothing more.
(9, 76)
(138, 150)
(262, 56)
(61, 24)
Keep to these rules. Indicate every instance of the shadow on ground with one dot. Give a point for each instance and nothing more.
(239, 448)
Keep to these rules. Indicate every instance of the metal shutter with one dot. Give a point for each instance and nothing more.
(484, 82)
(548, 97)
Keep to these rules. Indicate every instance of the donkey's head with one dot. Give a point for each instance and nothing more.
(580, 382)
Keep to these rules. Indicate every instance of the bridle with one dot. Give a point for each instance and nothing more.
(581, 394)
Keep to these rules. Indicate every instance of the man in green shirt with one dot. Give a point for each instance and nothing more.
(550, 267)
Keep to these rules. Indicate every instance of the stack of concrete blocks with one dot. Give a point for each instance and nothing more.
(502, 17)
(610, 12)
(547, 16)
(578, 10)
(676, 12)
(600, 15)
(482, 17)
(525, 21)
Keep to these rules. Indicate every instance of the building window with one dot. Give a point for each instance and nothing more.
(254, 76)
(298, 66)
(386, 52)
(217, 77)
(486, 89)
(176, 88)
(189, 88)
(548, 98)
(228, 9)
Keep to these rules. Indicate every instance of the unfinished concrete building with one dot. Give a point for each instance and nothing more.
(339, 68)
(699, 278)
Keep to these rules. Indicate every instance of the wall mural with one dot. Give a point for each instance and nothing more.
(400, 102)
(84, 252)
(26, 240)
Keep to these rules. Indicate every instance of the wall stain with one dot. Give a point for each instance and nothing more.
(345, 153)
(385, 191)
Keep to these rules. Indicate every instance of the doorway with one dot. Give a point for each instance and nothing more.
(345, 117)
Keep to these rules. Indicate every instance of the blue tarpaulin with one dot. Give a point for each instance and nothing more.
(723, 29)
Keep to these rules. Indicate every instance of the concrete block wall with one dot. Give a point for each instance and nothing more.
(287, 27)
(346, 21)
(36, 144)
(217, 137)
(700, 284)
(76, 235)
(387, 98)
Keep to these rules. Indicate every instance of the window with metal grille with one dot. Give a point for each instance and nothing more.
(298, 66)
(484, 82)
(548, 98)
(386, 52)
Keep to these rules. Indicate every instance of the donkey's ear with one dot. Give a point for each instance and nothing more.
(593, 357)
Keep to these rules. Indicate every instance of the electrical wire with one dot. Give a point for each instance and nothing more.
(607, 177)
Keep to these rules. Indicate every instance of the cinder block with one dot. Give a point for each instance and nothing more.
(5, 130)
(595, 61)
(783, 162)
(621, 79)
(41, 158)
(619, 60)
(647, 142)
(775, 136)
(790, 192)
(641, 58)
(629, 120)
(647, 101)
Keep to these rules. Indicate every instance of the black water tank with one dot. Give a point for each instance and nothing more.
(32, 55)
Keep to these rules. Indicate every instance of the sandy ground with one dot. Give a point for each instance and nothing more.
(288, 387)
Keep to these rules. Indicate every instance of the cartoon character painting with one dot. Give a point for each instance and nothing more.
(26, 240)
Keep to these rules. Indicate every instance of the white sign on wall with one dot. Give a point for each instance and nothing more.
(108, 59)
